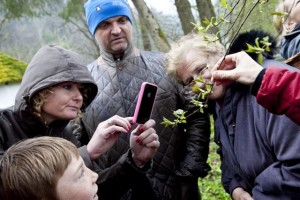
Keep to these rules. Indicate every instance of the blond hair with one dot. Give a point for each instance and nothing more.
(196, 42)
(31, 168)
(285, 24)
(278, 20)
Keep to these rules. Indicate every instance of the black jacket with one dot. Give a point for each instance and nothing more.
(184, 149)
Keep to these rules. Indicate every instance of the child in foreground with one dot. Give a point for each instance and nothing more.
(46, 168)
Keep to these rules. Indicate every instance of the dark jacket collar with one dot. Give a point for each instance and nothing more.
(109, 58)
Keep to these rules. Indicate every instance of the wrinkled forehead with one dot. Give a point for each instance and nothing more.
(200, 57)
(193, 61)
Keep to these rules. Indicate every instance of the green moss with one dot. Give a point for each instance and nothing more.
(11, 70)
(163, 36)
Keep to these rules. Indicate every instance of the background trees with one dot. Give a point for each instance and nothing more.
(25, 27)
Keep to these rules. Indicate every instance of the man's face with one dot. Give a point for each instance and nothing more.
(195, 64)
(78, 182)
(114, 34)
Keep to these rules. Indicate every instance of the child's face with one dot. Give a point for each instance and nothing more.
(78, 182)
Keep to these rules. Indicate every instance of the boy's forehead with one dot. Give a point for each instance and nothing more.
(73, 167)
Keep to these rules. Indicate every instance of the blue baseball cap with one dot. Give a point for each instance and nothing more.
(97, 11)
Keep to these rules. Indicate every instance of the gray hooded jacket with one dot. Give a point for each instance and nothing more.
(49, 66)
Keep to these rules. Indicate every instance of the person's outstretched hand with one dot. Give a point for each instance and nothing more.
(240, 194)
(106, 135)
(144, 143)
(238, 67)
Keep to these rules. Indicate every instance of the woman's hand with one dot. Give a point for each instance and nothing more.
(144, 143)
(238, 67)
(106, 135)
(240, 194)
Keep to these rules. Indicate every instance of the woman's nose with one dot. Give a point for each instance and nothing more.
(206, 75)
(78, 94)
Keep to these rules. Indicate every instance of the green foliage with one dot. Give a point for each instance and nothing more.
(179, 119)
(259, 48)
(202, 92)
(11, 70)
(225, 5)
(261, 17)
(163, 36)
(264, 1)
(200, 101)
(213, 22)
(210, 186)
(68, 13)
(31, 8)
(279, 14)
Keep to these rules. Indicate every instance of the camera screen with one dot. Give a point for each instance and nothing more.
(146, 104)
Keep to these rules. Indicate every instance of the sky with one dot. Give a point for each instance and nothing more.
(164, 6)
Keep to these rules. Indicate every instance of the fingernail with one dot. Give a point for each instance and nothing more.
(138, 140)
(141, 129)
(129, 128)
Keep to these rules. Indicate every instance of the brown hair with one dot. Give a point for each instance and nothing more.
(31, 168)
(38, 100)
(197, 42)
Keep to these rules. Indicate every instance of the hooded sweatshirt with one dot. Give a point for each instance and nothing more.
(51, 65)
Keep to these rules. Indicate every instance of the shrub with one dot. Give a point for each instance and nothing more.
(11, 70)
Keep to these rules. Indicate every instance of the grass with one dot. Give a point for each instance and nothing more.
(210, 186)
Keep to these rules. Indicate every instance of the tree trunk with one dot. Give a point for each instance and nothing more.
(145, 37)
(185, 15)
(206, 10)
(154, 29)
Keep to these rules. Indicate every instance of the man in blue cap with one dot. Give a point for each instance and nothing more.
(119, 72)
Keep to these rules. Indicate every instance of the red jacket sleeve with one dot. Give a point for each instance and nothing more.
(279, 92)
